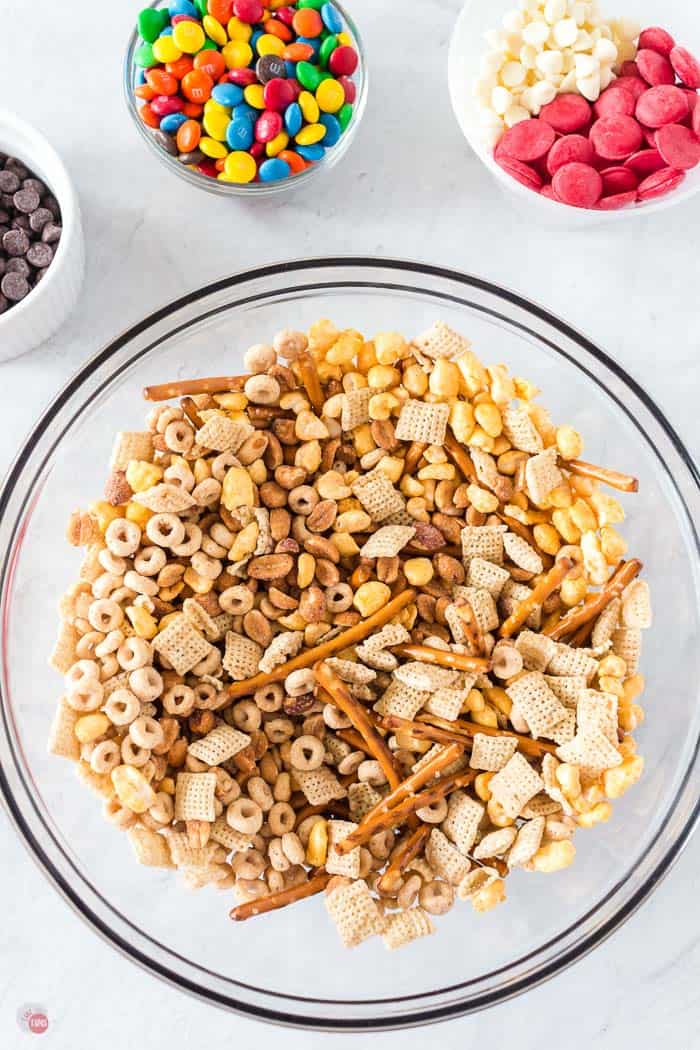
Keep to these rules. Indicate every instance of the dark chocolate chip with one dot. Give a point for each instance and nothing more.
(34, 184)
(4, 305)
(9, 181)
(18, 265)
(15, 287)
(4, 215)
(166, 142)
(195, 156)
(15, 165)
(40, 255)
(3, 265)
(20, 222)
(7, 201)
(51, 203)
(51, 233)
(39, 275)
(39, 218)
(3, 231)
(27, 201)
(16, 242)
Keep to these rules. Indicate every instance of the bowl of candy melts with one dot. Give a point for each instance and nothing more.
(239, 97)
(566, 106)
(349, 628)
(42, 257)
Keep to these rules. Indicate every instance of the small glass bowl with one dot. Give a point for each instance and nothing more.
(251, 189)
(289, 967)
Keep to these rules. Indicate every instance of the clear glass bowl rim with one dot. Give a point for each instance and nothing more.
(251, 189)
(413, 1010)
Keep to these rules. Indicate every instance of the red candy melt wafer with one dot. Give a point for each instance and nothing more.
(662, 105)
(566, 150)
(635, 84)
(617, 200)
(527, 141)
(619, 179)
(679, 146)
(645, 162)
(657, 39)
(578, 184)
(654, 68)
(616, 137)
(519, 171)
(615, 100)
(566, 113)
(686, 67)
(660, 183)
(629, 68)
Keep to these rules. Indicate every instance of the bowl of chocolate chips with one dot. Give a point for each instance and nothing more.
(42, 259)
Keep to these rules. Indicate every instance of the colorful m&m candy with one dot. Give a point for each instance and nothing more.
(245, 90)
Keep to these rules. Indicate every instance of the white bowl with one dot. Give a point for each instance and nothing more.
(467, 46)
(31, 321)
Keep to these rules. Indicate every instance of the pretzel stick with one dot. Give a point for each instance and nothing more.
(460, 456)
(403, 855)
(427, 731)
(190, 409)
(442, 657)
(417, 780)
(613, 478)
(308, 372)
(320, 652)
(413, 457)
(594, 605)
(392, 818)
(526, 744)
(280, 900)
(474, 634)
(547, 584)
(582, 635)
(350, 736)
(340, 696)
(211, 385)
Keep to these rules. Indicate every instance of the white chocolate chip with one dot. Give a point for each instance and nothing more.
(514, 114)
(565, 32)
(501, 99)
(584, 41)
(542, 93)
(528, 56)
(536, 34)
(491, 63)
(550, 63)
(578, 13)
(513, 74)
(554, 11)
(606, 77)
(589, 87)
(513, 22)
(586, 66)
(568, 84)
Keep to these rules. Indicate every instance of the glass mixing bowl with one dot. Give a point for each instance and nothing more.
(251, 190)
(289, 967)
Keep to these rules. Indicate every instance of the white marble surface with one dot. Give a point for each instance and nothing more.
(410, 188)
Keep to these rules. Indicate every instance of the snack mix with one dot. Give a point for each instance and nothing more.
(359, 622)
